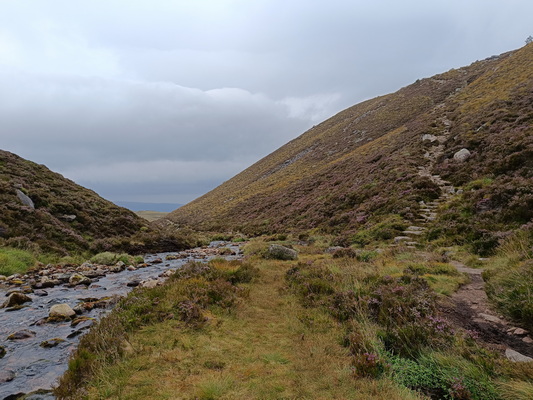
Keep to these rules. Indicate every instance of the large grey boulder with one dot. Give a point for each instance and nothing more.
(25, 199)
(279, 252)
(462, 155)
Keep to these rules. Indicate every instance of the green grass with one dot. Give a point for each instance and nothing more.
(110, 258)
(13, 261)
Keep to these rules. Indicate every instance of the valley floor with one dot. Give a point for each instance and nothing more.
(270, 347)
(356, 324)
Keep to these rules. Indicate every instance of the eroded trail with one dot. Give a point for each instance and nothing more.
(470, 308)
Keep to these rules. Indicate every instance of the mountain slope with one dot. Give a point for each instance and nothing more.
(65, 217)
(362, 165)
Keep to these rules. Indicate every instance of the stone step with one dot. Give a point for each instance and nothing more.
(399, 239)
(416, 233)
(415, 228)
(411, 243)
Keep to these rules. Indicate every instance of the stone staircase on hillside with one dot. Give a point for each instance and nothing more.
(429, 211)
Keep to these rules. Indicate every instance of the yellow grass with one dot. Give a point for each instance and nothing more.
(269, 348)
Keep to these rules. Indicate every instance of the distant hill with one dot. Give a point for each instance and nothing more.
(42, 211)
(364, 165)
(140, 206)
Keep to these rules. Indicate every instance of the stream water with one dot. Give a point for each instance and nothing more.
(27, 366)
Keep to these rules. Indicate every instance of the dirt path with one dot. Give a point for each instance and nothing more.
(469, 308)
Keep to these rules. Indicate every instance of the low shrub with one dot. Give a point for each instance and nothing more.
(438, 378)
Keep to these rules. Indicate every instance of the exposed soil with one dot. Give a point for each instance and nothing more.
(470, 309)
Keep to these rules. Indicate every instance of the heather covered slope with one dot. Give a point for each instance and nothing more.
(362, 166)
(66, 217)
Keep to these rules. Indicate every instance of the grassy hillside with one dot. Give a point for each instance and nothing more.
(362, 166)
(66, 218)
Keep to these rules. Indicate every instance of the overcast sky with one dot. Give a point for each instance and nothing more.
(161, 101)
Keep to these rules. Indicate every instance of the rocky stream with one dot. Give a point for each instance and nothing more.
(46, 312)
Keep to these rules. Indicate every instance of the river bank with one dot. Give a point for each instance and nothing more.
(37, 344)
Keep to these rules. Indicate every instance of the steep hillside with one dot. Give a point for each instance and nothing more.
(43, 211)
(372, 161)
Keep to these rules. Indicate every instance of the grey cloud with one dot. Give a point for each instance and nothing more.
(165, 99)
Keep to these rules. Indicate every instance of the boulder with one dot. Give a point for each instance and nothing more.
(515, 356)
(16, 299)
(25, 199)
(278, 252)
(23, 334)
(61, 311)
(6, 376)
(133, 283)
(462, 155)
(79, 279)
(150, 284)
(45, 282)
(2, 351)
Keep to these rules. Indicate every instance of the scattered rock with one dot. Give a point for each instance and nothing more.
(279, 252)
(47, 344)
(399, 239)
(515, 356)
(2, 351)
(429, 137)
(16, 299)
(61, 311)
(23, 334)
(150, 283)
(78, 320)
(491, 318)
(520, 332)
(45, 282)
(118, 267)
(79, 279)
(40, 293)
(133, 283)
(462, 155)
(156, 261)
(333, 249)
(6, 376)
(68, 218)
(527, 339)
